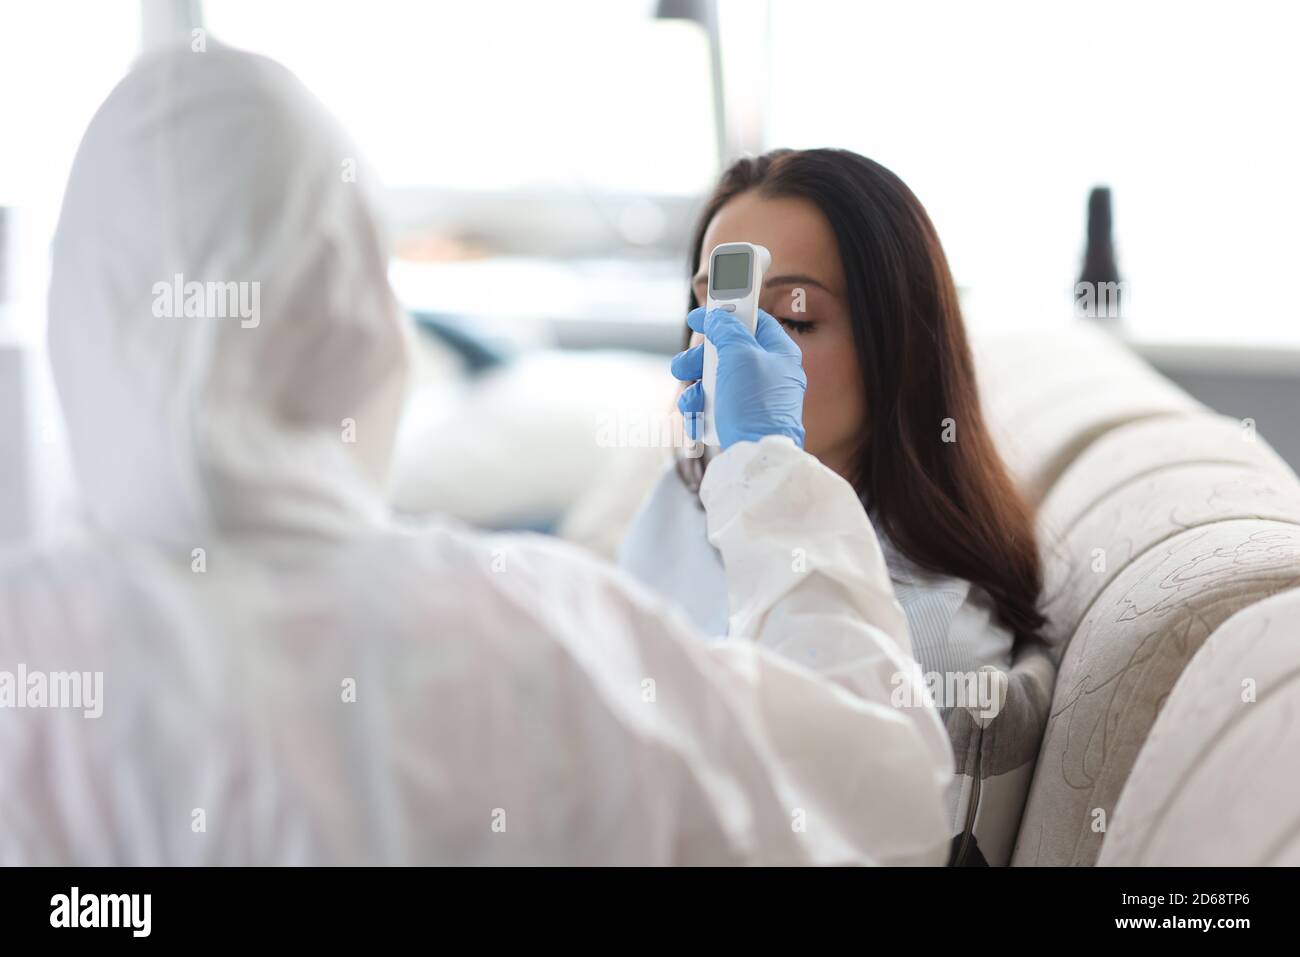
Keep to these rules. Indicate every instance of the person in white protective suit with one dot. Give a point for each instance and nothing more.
(290, 677)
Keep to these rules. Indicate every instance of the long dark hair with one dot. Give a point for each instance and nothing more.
(949, 506)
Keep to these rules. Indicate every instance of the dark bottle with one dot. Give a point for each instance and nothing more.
(1099, 292)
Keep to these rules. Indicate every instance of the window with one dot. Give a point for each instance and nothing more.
(1001, 117)
(518, 126)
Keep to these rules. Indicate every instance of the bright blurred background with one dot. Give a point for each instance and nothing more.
(543, 163)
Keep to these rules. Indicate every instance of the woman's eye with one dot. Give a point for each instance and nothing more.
(797, 326)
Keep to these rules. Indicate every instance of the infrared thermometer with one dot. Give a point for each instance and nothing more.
(735, 280)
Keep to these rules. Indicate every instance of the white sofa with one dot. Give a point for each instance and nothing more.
(1158, 521)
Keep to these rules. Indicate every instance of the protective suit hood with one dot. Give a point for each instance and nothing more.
(218, 252)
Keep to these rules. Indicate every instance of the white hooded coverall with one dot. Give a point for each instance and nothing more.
(289, 677)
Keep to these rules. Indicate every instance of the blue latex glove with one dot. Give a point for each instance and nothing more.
(761, 381)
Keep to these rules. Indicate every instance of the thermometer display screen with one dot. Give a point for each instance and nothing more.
(731, 271)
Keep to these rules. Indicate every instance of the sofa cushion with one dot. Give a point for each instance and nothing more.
(1216, 781)
(1047, 396)
(1140, 486)
(1130, 647)
(1153, 445)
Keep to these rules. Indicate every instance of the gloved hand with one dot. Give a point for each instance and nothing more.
(761, 381)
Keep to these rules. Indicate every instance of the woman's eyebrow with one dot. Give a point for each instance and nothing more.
(789, 279)
(794, 279)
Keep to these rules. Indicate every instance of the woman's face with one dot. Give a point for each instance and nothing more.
(805, 266)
